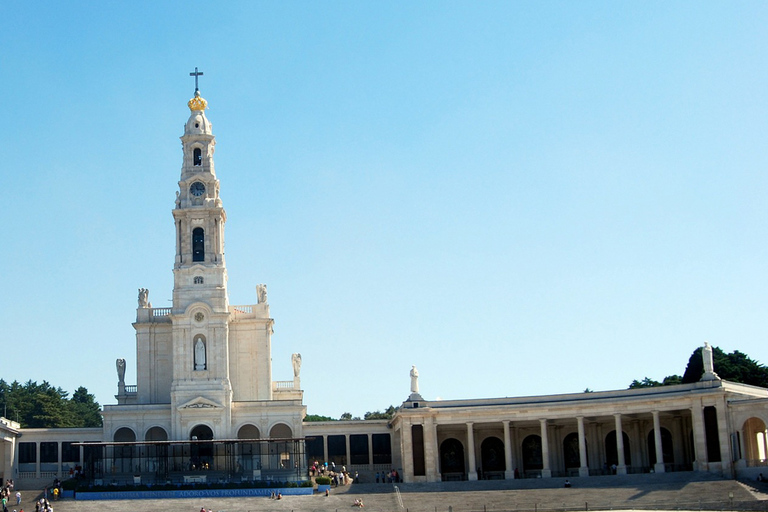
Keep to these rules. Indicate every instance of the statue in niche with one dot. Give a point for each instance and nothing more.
(261, 293)
(143, 298)
(296, 360)
(200, 355)
(414, 380)
(120, 363)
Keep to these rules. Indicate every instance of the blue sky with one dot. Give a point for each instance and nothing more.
(519, 198)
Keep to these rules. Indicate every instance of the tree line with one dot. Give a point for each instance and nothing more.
(387, 414)
(42, 405)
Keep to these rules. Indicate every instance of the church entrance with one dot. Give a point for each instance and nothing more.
(201, 452)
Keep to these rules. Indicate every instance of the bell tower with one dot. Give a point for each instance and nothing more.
(200, 313)
(199, 270)
(203, 365)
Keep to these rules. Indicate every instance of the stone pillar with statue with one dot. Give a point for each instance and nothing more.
(296, 362)
(414, 396)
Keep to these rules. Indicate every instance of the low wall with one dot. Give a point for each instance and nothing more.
(193, 493)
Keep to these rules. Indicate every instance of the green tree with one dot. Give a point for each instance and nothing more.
(671, 380)
(388, 413)
(42, 405)
(645, 383)
(317, 417)
(345, 416)
(85, 408)
(735, 367)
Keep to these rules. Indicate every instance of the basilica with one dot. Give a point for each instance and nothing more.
(205, 408)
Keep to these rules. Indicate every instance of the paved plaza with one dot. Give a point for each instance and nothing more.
(687, 491)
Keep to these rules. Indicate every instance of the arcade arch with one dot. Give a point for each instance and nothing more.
(492, 456)
(452, 459)
(755, 440)
(532, 457)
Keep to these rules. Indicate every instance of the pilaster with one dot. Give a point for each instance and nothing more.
(621, 468)
(659, 466)
(583, 468)
(472, 474)
(546, 472)
(509, 470)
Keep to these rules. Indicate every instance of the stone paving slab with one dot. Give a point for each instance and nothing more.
(543, 495)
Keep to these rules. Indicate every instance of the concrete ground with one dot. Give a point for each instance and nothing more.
(683, 491)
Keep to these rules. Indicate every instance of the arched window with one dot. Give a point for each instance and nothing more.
(197, 156)
(198, 244)
(198, 280)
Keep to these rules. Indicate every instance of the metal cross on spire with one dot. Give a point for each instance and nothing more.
(196, 74)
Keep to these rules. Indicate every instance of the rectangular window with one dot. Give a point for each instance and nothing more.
(382, 448)
(712, 435)
(70, 453)
(337, 449)
(27, 453)
(358, 447)
(314, 447)
(417, 438)
(49, 452)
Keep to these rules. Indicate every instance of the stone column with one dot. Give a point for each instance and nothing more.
(325, 449)
(515, 448)
(726, 456)
(622, 465)
(37, 459)
(430, 449)
(545, 471)
(699, 437)
(472, 475)
(509, 470)
(583, 468)
(659, 466)
(406, 448)
(599, 444)
(370, 452)
(58, 464)
(348, 456)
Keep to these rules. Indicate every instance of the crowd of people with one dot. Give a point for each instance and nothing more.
(343, 477)
(338, 477)
(7, 495)
(391, 477)
(42, 505)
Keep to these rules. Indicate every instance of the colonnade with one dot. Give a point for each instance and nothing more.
(697, 438)
(347, 458)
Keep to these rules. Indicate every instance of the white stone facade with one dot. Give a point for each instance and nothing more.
(202, 361)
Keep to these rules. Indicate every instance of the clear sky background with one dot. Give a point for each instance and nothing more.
(519, 198)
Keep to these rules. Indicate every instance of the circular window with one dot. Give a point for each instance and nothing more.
(199, 317)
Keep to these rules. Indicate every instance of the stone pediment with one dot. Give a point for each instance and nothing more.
(199, 403)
